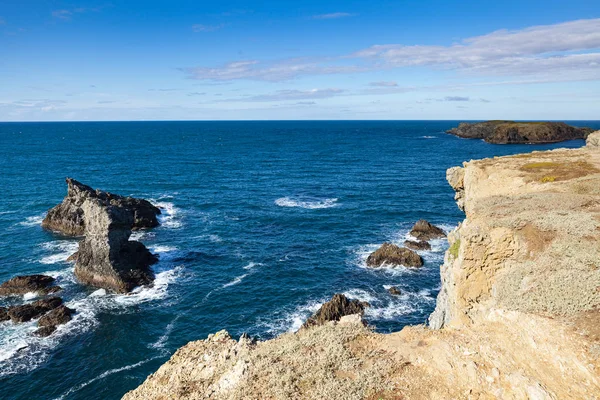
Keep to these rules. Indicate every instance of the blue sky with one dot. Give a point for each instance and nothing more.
(199, 60)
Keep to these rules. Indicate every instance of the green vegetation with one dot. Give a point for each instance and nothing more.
(540, 165)
(454, 248)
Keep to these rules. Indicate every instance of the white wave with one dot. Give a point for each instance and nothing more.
(140, 235)
(157, 291)
(215, 238)
(429, 137)
(162, 249)
(160, 343)
(360, 294)
(252, 265)
(30, 296)
(104, 375)
(34, 220)
(62, 250)
(391, 311)
(169, 217)
(362, 253)
(235, 281)
(290, 321)
(308, 204)
(7, 212)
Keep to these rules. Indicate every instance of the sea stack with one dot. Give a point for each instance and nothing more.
(68, 217)
(391, 255)
(106, 257)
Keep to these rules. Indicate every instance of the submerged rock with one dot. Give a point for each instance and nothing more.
(336, 308)
(27, 312)
(106, 258)
(68, 216)
(394, 291)
(425, 231)
(509, 132)
(417, 245)
(22, 284)
(392, 255)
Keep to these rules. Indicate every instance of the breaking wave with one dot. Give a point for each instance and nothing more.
(310, 204)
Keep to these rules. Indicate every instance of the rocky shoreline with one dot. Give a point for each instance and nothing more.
(516, 317)
(511, 132)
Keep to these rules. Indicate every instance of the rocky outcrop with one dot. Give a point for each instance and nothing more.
(106, 258)
(49, 322)
(27, 312)
(391, 255)
(417, 245)
(593, 139)
(394, 291)
(518, 308)
(510, 132)
(336, 308)
(68, 217)
(424, 231)
(4, 314)
(20, 285)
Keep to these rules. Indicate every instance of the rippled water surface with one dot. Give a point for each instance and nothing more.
(262, 222)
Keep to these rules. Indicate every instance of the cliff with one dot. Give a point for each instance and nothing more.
(517, 316)
(510, 132)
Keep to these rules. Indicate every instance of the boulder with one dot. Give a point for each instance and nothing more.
(593, 140)
(27, 312)
(58, 316)
(68, 216)
(392, 255)
(338, 307)
(106, 258)
(394, 291)
(45, 331)
(4, 314)
(417, 245)
(424, 231)
(511, 132)
(22, 284)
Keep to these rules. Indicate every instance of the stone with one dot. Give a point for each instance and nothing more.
(58, 316)
(593, 140)
(424, 231)
(27, 312)
(106, 258)
(394, 291)
(4, 314)
(68, 217)
(417, 245)
(338, 307)
(391, 255)
(22, 284)
(45, 331)
(511, 132)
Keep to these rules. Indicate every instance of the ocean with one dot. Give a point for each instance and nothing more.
(262, 222)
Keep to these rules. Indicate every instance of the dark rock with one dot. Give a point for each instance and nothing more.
(20, 285)
(45, 331)
(106, 258)
(417, 245)
(510, 132)
(68, 217)
(58, 316)
(390, 254)
(424, 231)
(4, 314)
(335, 309)
(394, 291)
(27, 312)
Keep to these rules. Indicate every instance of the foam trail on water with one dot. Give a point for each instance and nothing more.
(65, 249)
(235, 281)
(34, 220)
(104, 375)
(169, 217)
(311, 204)
(252, 265)
(160, 343)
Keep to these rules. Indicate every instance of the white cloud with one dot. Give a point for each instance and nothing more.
(334, 15)
(294, 94)
(65, 15)
(206, 28)
(565, 51)
(383, 84)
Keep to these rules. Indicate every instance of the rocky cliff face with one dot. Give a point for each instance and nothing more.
(106, 257)
(507, 132)
(68, 216)
(518, 314)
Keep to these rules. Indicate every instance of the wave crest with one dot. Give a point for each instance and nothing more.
(310, 204)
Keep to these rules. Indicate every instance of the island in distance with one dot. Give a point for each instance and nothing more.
(511, 132)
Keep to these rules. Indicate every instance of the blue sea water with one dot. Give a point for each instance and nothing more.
(262, 222)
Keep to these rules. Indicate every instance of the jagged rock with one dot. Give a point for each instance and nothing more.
(4, 314)
(417, 245)
(45, 331)
(508, 132)
(68, 216)
(58, 316)
(394, 291)
(390, 254)
(106, 258)
(335, 309)
(27, 312)
(22, 284)
(593, 140)
(424, 231)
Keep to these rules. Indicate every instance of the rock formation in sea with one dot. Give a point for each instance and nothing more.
(394, 291)
(391, 255)
(424, 231)
(68, 216)
(336, 308)
(19, 285)
(417, 245)
(517, 316)
(511, 132)
(50, 321)
(27, 312)
(106, 258)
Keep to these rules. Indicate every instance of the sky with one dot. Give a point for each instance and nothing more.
(249, 60)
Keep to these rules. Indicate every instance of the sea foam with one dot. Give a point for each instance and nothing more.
(311, 204)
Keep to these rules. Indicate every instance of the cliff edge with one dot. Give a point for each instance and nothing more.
(517, 316)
